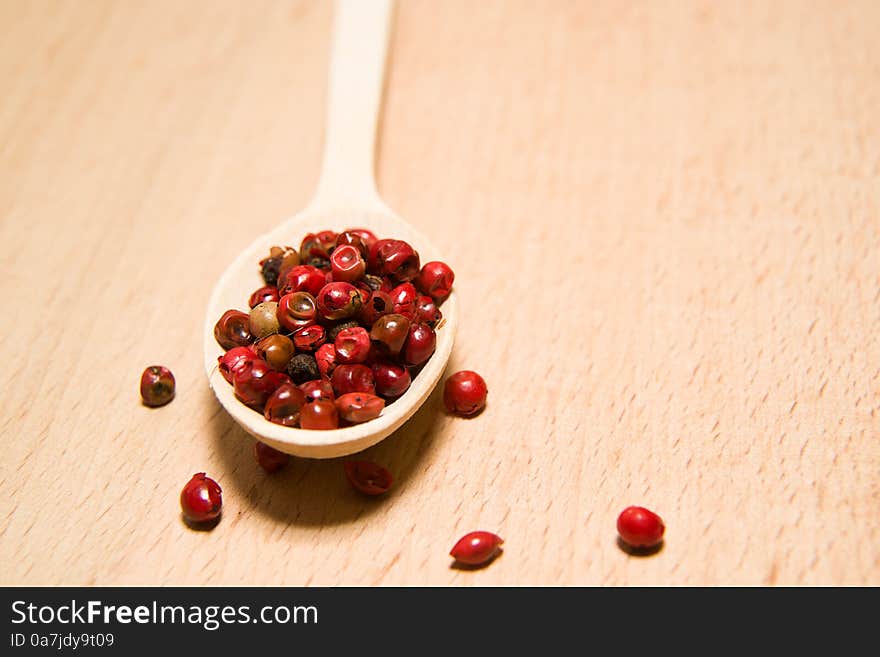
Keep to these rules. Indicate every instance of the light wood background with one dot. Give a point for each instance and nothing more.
(665, 223)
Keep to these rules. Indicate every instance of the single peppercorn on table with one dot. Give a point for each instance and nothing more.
(663, 222)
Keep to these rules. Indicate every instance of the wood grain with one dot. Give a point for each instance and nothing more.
(665, 222)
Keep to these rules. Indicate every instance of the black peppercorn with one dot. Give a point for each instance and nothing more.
(302, 368)
(269, 270)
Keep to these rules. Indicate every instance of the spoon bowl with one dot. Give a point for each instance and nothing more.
(242, 277)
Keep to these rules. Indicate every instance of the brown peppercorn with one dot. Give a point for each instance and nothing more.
(264, 319)
(277, 350)
(391, 332)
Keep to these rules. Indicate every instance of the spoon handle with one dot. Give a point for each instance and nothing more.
(357, 71)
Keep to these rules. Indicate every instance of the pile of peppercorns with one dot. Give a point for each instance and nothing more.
(338, 331)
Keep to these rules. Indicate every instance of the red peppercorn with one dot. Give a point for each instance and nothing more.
(394, 258)
(312, 246)
(419, 345)
(368, 477)
(201, 499)
(465, 393)
(157, 386)
(326, 359)
(367, 236)
(640, 528)
(405, 299)
(352, 378)
(265, 293)
(435, 279)
(338, 300)
(284, 405)
(327, 238)
(347, 264)
(391, 332)
(391, 379)
(427, 311)
(378, 304)
(347, 238)
(232, 330)
(309, 338)
(359, 406)
(476, 548)
(234, 360)
(269, 458)
(317, 389)
(352, 345)
(302, 278)
(255, 382)
(320, 414)
(297, 310)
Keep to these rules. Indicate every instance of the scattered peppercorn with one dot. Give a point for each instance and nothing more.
(640, 528)
(269, 458)
(201, 499)
(367, 477)
(157, 386)
(465, 393)
(476, 548)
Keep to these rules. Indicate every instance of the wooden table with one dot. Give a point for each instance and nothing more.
(665, 223)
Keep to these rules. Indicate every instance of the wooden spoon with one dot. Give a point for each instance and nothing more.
(346, 198)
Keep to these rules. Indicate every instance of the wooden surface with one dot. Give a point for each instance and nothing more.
(665, 223)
